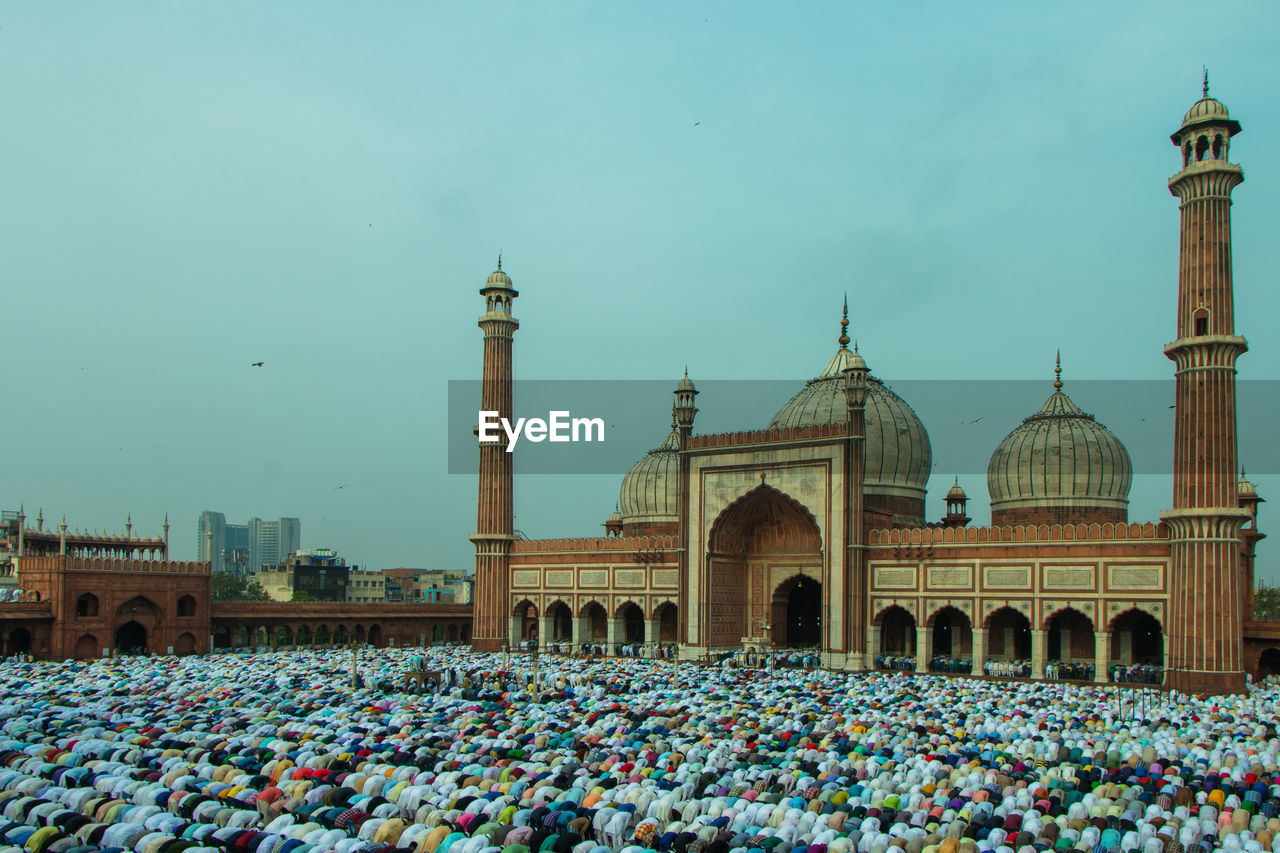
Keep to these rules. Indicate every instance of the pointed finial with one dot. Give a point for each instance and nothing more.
(843, 340)
(673, 416)
(762, 478)
(1057, 373)
(499, 260)
(957, 479)
(1242, 472)
(1206, 80)
(686, 371)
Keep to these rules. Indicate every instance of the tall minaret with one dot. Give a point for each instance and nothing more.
(1204, 630)
(495, 517)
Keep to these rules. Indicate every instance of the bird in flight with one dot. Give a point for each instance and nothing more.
(343, 486)
(258, 364)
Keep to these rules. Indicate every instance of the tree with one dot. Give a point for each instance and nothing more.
(254, 591)
(303, 595)
(1266, 603)
(224, 586)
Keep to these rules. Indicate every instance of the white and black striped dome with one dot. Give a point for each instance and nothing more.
(898, 455)
(1059, 457)
(649, 489)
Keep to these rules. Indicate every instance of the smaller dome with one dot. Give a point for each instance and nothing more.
(1060, 456)
(956, 492)
(648, 492)
(498, 278)
(1206, 109)
(616, 515)
(685, 384)
(1244, 488)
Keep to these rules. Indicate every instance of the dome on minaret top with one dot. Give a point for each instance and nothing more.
(498, 278)
(1059, 457)
(1244, 488)
(1207, 111)
(898, 457)
(956, 492)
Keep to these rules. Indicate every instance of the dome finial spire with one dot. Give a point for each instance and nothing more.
(1206, 80)
(673, 413)
(843, 340)
(1057, 372)
(499, 260)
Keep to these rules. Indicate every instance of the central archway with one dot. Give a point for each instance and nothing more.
(797, 613)
(750, 542)
(131, 639)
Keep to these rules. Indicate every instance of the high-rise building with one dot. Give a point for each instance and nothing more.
(211, 533)
(245, 548)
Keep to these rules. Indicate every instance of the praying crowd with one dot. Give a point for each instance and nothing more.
(293, 752)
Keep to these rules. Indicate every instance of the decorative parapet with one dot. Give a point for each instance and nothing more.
(766, 436)
(111, 564)
(1055, 533)
(595, 543)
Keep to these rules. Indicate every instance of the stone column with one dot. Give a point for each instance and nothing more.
(1038, 651)
(873, 645)
(616, 631)
(979, 649)
(924, 647)
(1125, 651)
(580, 628)
(652, 632)
(546, 625)
(1101, 655)
(516, 623)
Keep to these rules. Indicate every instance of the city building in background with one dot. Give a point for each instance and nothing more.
(86, 595)
(242, 549)
(366, 587)
(318, 574)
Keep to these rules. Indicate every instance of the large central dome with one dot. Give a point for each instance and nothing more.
(898, 456)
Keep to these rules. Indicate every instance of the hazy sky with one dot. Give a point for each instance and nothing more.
(189, 188)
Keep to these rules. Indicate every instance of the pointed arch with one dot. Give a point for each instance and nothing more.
(87, 606)
(897, 629)
(745, 539)
(765, 521)
(667, 615)
(1008, 635)
(797, 612)
(596, 627)
(561, 621)
(87, 647)
(1069, 636)
(632, 618)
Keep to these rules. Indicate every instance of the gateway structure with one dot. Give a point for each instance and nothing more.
(813, 531)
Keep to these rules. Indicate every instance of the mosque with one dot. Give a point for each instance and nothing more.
(814, 531)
